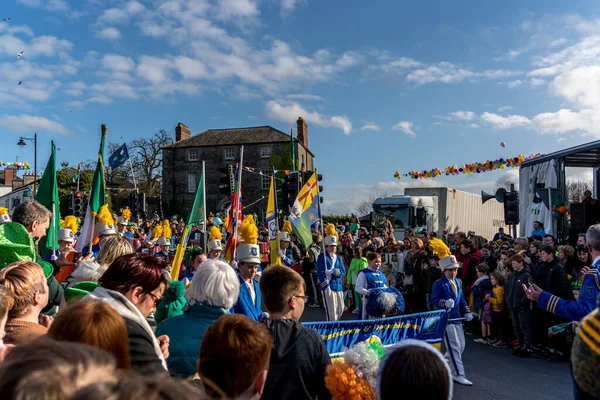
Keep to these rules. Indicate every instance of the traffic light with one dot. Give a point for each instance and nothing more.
(133, 203)
(293, 188)
(141, 203)
(511, 208)
(77, 203)
(319, 179)
(226, 181)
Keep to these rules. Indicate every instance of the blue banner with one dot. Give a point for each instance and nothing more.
(341, 335)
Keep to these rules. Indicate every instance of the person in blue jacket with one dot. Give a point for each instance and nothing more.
(447, 293)
(104, 232)
(369, 278)
(249, 301)
(285, 252)
(330, 270)
(574, 310)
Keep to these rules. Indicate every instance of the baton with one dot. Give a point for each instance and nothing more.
(456, 319)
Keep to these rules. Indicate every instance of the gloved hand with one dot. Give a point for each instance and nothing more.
(449, 303)
(336, 272)
(469, 317)
(281, 253)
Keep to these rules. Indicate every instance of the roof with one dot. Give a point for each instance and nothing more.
(584, 155)
(234, 136)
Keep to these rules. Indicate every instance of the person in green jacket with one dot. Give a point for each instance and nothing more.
(357, 264)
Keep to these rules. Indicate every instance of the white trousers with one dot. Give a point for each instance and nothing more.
(334, 304)
(454, 341)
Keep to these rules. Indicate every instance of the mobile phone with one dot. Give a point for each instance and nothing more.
(77, 256)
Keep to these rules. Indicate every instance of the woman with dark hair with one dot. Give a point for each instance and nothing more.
(94, 323)
(415, 264)
(584, 259)
(132, 286)
(471, 259)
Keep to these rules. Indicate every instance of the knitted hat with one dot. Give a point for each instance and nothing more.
(585, 354)
(172, 302)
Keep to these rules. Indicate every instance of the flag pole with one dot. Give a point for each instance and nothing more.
(320, 214)
(204, 247)
(239, 193)
(78, 175)
(276, 210)
(132, 173)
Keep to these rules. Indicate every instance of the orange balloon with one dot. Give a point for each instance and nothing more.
(563, 210)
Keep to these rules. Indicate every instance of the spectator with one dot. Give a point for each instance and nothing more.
(6, 303)
(234, 358)
(197, 259)
(538, 229)
(565, 256)
(471, 259)
(214, 291)
(534, 252)
(479, 290)
(549, 240)
(94, 323)
(499, 235)
(29, 289)
(499, 314)
(393, 257)
(358, 264)
(488, 258)
(517, 302)
(132, 286)
(418, 368)
(581, 240)
(414, 280)
(299, 358)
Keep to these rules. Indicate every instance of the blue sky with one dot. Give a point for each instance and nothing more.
(384, 86)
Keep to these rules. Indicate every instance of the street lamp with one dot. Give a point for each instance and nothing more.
(22, 144)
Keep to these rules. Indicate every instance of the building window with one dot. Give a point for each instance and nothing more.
(265, 152)
(265, 179)
(193, 155)
(229, 154)
(192, 181)
(302, 166)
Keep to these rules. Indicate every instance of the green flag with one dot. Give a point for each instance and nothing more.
(47, 195)
(98, 190)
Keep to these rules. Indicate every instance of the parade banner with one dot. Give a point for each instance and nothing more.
(341, 335)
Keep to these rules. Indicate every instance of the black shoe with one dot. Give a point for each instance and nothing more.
(543, 354)
(555, 357)
(525, 353)
(517, 351)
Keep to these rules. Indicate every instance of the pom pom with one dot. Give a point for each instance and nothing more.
(166, 229)
(215, 233)
(287, 227)
(365, 357)
(70, 222)
(330, 230)
(126, 213)
(249, 233)
(385, 301)
(157, 231)
(439, 248)
(175, 291)
(3, 210)
(105, 216)
(344, 383)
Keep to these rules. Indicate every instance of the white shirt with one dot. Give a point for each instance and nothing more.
(250, 287)
(361, 283)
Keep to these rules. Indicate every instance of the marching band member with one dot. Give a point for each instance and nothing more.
(215, 247)
(123, 222)
(285, 252)
(330, 270)
(370, 278)
(249, 301)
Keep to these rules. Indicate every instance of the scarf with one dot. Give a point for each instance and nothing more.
(128, 310)
(481, 279)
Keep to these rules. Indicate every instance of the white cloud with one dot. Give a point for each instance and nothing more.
(505, 108)
(190, 68)
(563, 121)
(122, 14)
(288, 6)
(288, 111)
(508, 122)
(370, 126)
(580, 86)
(50, 5)
(514, 84)
(473, 126)
(153, 69)
(463, 115)
(232, 9)
(117, 62)
(28, 123)
(109, 34)
(304, 96)
(446, 72)
(406, 127)
(536, 82)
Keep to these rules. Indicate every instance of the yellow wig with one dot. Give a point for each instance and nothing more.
(287, 227)
(105, 216)
(249, 232)
(439, 248)
(70, 222)
(215, 233)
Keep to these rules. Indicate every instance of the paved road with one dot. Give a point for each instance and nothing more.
(496, 374)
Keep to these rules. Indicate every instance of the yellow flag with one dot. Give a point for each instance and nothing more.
(179, 253)
(273, 223)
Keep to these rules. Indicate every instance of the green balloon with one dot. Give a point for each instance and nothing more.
(559, 203)
(556, 214)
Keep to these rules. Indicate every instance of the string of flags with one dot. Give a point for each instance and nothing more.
(258, 171)
(19, 165)
(474, 168)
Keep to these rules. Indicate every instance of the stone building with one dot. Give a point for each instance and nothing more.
(182, 164)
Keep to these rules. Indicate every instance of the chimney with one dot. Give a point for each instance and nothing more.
(28, 179)
(9, 175)
(302, 132)
(182, 132)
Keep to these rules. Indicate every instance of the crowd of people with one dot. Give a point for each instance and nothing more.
(116, 321)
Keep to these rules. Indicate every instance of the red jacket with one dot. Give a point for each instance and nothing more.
(469, 271)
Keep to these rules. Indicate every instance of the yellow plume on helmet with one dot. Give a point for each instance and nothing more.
(249, 232)
(3, 210)
(105, 216)
(166, 229)
(215, 233)
(287, 227)
(439, 248)
(70, 222)
(126, 213)
(225, 222)
(157, 231)
(330, 230)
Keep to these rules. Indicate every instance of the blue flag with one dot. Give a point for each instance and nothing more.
(118, 157)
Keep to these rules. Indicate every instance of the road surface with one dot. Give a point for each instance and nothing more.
(496, 374)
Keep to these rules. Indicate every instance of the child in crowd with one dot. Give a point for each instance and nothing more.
(499, 316)
(480, 288)
(517, 302)
(390, 279)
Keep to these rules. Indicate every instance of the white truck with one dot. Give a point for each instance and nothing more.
(438, 208)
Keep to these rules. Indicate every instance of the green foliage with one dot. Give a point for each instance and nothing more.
(340, 219)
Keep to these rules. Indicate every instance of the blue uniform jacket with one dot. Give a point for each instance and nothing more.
(571, 309)
(335, 281)
(442, 291)
(244, 304)
(288, 260)
(95, 249)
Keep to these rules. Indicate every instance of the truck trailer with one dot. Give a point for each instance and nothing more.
(436, 209)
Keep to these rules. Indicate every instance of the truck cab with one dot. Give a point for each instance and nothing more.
(414, 212)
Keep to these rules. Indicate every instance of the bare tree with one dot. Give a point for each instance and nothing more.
(505, 182)
(365, 206)
(147, 161)
(575, 190)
